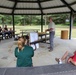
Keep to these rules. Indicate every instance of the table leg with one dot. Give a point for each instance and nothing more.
(45, 38)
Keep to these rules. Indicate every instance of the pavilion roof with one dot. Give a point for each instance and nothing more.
(29, 7)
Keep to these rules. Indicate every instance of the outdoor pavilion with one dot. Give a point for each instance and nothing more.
(38, 7)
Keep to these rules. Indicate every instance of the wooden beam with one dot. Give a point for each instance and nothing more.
(30, 1)
(34, 13)
(73, 3)
(54, 7)
(46, 0)
(5, 7)
(24, 1)
(14, 7)
(27, 8)
(40, 6)
(68, 5)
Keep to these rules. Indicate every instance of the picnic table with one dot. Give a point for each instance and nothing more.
(26, 31)
(41, 34)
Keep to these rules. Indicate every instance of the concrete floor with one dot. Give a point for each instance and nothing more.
(42, 55)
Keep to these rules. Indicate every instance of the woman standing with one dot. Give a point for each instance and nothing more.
(24, 54)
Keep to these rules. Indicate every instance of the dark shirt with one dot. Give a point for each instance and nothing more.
(6, 29)
(0, 29)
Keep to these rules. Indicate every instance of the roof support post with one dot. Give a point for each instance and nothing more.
(71, 24)
(42, 23)
(41, 15)
(13, 25)
(15, 4)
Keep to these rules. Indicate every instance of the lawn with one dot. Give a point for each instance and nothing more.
(57, 33)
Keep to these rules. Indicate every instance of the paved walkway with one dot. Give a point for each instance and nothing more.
(42, 55)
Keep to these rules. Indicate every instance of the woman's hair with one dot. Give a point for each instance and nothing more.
(19, 42)
(22, 39)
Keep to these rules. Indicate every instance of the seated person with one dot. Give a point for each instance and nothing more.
(24, 54)
(10, 32)
(0, 29)
(70, 58)
(5, 32)
(5, 28)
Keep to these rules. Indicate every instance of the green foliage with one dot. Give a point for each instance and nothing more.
(60, 18)
(35, 19)
(74, 24)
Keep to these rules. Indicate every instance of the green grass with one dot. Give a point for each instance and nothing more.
(57, 32)
(75, 24)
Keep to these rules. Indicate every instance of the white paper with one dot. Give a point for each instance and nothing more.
(34, 37)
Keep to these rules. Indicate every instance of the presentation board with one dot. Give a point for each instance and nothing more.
(34, 37)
